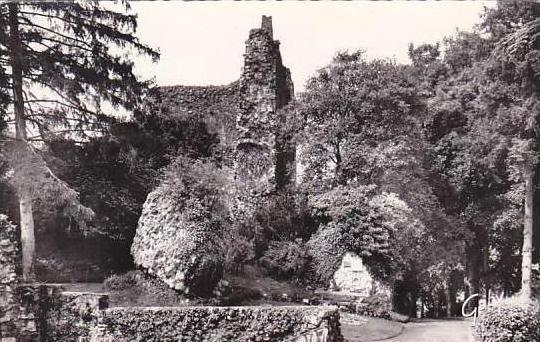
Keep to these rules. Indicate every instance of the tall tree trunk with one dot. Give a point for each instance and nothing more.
(28, 241)
(25, 196)
(448, 300)
(472, 280)
(526, 263)
(339, 177)
(414, 306)
(422, 314)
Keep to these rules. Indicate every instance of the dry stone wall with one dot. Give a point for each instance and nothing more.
(219, 324)
(86, 317)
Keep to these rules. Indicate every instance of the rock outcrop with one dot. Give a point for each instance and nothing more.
(177, 241)
(354, 277)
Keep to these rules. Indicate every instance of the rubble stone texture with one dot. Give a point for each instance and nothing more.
(354, 277)
(172, 244)
(216, 106)
(219, 324)
(248, 115)
(177, 243)
(9, 307)
(261, 159)
(55, 315)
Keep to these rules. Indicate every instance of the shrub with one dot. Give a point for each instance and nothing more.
(326, 249)
(122, 281)
(281, 216)
(509, 321)
(377, 305)
(238, 252)
(286, 259)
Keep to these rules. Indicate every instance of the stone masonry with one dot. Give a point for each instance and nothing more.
(248, 115)
(9, 307)
(17, 312)
(261, 160)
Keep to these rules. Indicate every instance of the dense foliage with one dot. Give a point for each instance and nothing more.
(428, 171)
(509, 321)
(65, 61)
(447, 147)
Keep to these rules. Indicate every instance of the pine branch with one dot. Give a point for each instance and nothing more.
(59, 93)
(43, 115)
(75, 46)
(130, 20)
(31, 24)
(41, 128)
(62, 104)
(50, 16)
(30, 49)
(111, 33)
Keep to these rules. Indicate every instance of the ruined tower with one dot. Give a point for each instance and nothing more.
(262, 159)
(250, 117)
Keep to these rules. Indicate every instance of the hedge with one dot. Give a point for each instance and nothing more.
(509, 321)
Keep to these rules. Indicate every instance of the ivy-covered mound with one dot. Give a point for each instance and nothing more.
(177, 236)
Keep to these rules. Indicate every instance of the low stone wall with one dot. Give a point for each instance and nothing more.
(71, 316)
(54, 315)
(294, 323)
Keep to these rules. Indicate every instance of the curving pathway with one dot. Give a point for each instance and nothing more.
(435, 331)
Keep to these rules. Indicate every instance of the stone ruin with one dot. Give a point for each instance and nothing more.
(262, 161)
(353, 277)
(248, 117)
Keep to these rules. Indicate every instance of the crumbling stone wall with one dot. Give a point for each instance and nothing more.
(86, 317)
(295, 323)
(69, 316)
(250, 119)
(214, 105)
(48, 314)
(177, 241)
(18, 308)
(261, 158)
(248, 115)
(9, 306)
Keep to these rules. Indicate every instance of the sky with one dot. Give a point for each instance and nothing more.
(202, 43)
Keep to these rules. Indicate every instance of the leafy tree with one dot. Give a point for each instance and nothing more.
(521, 52)
(363, 128)
(65, 61)
(350, 107)
(483, 129)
